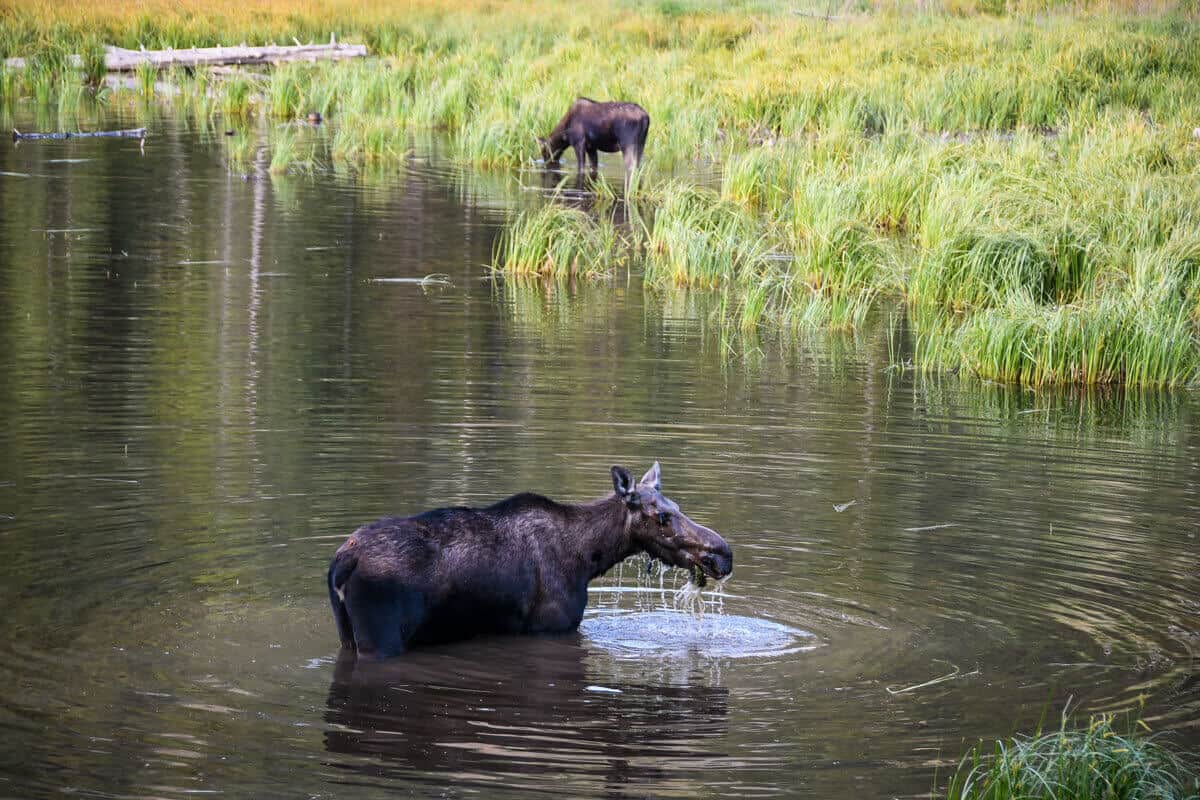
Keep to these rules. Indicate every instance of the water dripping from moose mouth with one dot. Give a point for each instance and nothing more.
(680, 621)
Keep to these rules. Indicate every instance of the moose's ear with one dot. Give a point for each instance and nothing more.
(623, 483)
(651, 478)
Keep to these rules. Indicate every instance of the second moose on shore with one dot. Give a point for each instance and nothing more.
(590, 127)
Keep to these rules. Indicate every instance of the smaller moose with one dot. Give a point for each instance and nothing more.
(520, 566)
(589, 127)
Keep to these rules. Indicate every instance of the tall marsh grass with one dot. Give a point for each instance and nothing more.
(1025, 183)
(1098, 762)
(556, 242)
(698, 239)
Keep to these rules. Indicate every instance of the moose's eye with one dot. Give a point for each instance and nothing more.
(663, 518)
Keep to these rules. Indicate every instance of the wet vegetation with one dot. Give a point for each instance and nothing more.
(1096, 762)
(1024, 182)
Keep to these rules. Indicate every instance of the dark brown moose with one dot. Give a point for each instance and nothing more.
(589, 126)
(520, 566)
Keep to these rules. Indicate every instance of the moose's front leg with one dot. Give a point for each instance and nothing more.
(580, 154)
(559, 611)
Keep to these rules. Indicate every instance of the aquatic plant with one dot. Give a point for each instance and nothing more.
(368, 139)
(236, 96)
(284, 150)
(1096, 762)
(556, 241)
(92, 62)
(10, 83)
(697, 239)
(147, 77)
(1112, 340)
(284, 94)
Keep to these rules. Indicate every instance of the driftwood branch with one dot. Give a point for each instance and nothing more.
(118, 59)
(134, 133)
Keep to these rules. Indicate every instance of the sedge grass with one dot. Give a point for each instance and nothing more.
(1098, 761)
(698, 239)
(556, 242)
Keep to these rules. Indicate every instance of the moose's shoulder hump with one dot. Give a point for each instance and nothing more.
(525, 501)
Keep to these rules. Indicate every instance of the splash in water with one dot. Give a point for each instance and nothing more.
(669, 634)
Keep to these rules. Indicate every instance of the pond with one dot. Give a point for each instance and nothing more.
(211, 378)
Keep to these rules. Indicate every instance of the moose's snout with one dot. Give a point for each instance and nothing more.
(717, 561)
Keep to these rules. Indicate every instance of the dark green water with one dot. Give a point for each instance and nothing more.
(205, 389)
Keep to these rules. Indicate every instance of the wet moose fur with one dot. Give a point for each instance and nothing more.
(519, 566)
(589, 126)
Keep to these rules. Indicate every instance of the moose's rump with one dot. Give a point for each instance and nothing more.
(432, 578)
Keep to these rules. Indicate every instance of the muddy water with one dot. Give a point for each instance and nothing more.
(209, 380)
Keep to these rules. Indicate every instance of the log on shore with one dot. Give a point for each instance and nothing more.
(134, 133)
(118, 59)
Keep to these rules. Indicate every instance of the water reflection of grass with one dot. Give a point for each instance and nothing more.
(1026, 185)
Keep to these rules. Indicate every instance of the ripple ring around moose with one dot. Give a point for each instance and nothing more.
(673, 633)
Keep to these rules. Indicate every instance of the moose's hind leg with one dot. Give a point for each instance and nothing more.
(632, 159)
(384, 615)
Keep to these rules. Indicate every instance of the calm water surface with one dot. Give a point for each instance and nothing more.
(206, 387)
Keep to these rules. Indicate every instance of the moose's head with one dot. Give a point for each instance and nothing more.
(666, 533)
(547, 150)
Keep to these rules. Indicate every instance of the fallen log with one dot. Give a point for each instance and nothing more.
(133, 133)
(118, 59)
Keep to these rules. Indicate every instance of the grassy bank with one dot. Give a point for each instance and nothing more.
(1025, 181)
(1098, 762)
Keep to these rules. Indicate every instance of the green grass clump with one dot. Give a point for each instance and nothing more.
(1097, 763)
(147, 77)
(95, 70)
(236, 96)
(558, 242)
(698, 239)
(368, 139)
(1109, 341)
(10, 85)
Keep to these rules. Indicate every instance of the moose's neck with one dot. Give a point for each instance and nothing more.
(597, 536)
(558, 141)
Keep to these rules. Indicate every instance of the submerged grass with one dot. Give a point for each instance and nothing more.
(1097, 762)
(1025, 182)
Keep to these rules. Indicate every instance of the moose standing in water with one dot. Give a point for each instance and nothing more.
(519, 566)
(589, 126)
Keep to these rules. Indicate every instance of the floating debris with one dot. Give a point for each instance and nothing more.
(840, 507)
(941, 679)
(135, 133)
(436, 279)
